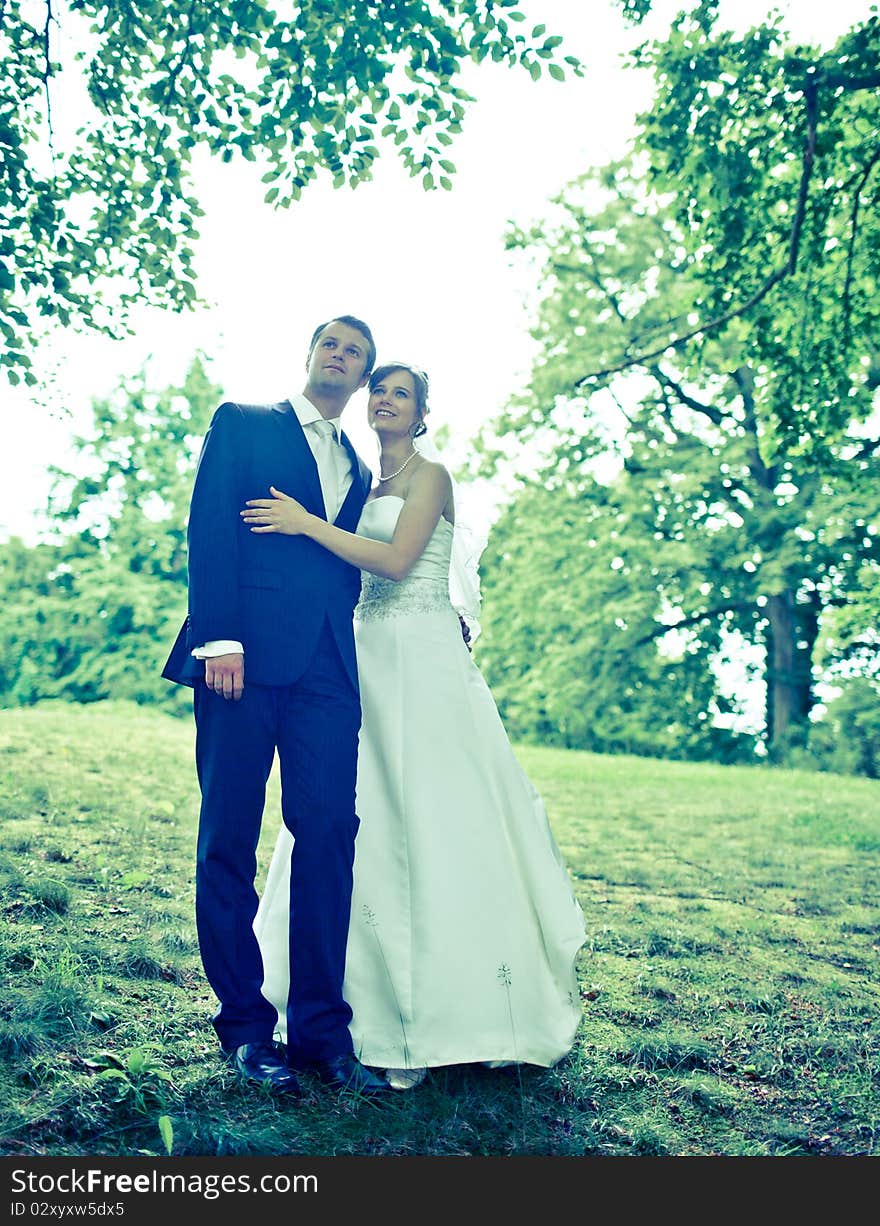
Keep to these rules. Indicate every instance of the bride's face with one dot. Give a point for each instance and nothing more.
(392, 409)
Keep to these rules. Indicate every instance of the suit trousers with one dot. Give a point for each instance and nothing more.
(313, 724)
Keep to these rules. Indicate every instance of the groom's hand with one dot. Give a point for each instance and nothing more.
(225, 675)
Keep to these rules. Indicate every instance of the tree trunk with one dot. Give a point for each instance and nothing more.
(791, 637)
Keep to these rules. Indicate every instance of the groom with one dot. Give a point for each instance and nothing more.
(268, 647)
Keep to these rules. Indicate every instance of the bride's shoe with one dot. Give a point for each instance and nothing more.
(405, 1078)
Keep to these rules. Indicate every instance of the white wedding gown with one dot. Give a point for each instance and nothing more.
(464, 925)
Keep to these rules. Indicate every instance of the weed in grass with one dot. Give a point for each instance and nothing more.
(757, 1001)
(12, 809)
(10, 878)
(179, 943)
(373, 924)
(708, 1094)
(19, 1039)
(21, 846)
(160, 891)
(57, 856)
(670, 1051)
(136, 1080)
(48, 896)
(788, 1140)
(676, 945)
(24, 801)
(134, 878)
(40, 798)
(138, 963)
(650, 1142)
(504, 978)
(20, 960)
(868, 930)
(51, 1014)
(47, 1009)
(60, 1008)
(655, 988)
(166, 1132)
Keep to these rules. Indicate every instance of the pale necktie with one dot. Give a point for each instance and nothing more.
(326, 451)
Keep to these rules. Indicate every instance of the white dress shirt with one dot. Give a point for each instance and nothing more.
(334, 473)
(334, 463)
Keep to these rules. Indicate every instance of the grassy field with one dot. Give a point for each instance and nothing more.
(728, 982)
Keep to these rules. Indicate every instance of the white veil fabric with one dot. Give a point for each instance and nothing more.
(468, 543)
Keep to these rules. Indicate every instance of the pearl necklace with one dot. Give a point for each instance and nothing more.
(391, 476)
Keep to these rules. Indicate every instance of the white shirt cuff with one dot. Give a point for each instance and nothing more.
(217, 647)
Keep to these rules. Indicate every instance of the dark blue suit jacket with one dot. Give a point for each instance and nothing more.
(270, 592)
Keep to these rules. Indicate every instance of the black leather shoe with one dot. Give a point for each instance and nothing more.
(265, 1064)
(347, 1073)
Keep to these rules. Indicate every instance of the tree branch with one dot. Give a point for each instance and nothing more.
(620, 407)
(853, 231)
(868, 448)
(47, 54)
(840, 80)
(602, 287)
(680, 341)
(185, 55)
(811, 92)
(745, 381)
(708, 410)
(731, 606)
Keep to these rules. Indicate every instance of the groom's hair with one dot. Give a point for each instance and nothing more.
(359, 326)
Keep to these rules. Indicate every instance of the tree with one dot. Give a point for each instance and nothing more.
(103, 218)
(92, 614)
(769, 157)
(744, 504)
(847, 740)
(569, 603)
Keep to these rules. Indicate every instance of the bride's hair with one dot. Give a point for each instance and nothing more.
(420, 384)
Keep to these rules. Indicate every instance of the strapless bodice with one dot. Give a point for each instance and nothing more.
(426, 588)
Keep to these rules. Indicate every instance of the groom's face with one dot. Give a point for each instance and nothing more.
(338, 360)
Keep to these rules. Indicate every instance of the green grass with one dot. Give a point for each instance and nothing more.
(728, 981)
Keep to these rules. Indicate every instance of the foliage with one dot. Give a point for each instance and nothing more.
(847, 740)
(569, 629)
(851, 638)
(98, 143)
(728, 982)
(94, 612)
(769, 155)
(135, 1079)
(681, 495)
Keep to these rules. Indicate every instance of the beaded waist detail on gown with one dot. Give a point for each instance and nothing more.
(425, 589)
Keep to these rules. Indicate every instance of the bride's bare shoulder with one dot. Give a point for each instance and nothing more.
(432, 471)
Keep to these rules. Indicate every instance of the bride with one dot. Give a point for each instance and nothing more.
(464, 926)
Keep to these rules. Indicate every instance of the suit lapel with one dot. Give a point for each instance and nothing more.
(362, 477)
(361, 480)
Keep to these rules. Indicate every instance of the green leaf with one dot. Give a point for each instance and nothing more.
(166, 1131)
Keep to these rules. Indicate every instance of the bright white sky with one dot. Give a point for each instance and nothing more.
(428, 271)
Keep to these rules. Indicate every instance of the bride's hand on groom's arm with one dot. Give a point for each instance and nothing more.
(280, 513)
